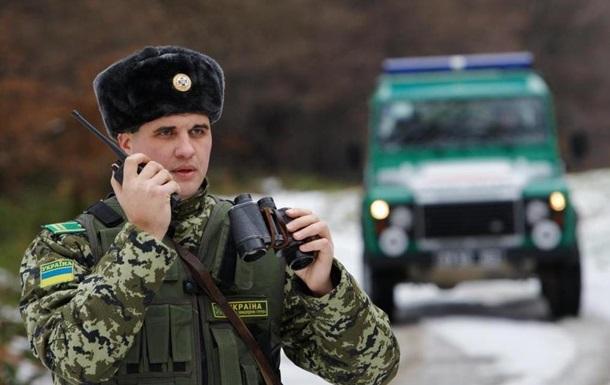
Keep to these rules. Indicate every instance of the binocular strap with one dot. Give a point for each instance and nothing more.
(205, 281)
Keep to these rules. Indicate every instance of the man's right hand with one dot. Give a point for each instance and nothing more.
(145, 197)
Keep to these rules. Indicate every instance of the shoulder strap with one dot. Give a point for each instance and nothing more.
(105, 214)
(217, 216)
(211, 235)
(109, 214)
(87, 220)
(204, 279)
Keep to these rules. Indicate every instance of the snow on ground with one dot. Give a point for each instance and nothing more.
(591, 192)
(532, 353)
(524, 352)
(8, 282)
(487, 293)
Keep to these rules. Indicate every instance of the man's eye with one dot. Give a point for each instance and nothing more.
(197, 131)
(164, 132)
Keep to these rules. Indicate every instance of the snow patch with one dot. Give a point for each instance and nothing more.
(591, 192)
(529, 353)
(488, 293)
(8, 280)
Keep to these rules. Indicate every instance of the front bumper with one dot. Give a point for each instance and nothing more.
(449, 267)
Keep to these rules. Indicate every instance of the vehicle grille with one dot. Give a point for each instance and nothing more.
(468, 219)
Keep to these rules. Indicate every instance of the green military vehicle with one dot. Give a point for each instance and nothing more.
(464, 180)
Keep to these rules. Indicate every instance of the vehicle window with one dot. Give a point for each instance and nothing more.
(462, 123)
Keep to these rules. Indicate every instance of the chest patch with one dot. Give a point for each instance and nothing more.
(55, 272)
(65, 227)
(244, 309)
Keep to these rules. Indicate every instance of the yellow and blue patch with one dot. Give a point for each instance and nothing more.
(56, 272)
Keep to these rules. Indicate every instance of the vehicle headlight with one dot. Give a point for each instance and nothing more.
(401, 216)
(380, 209)
(546, 235)
(557, 201)
(393, 241)
(535, 211)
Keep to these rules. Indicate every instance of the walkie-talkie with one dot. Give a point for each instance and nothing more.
(118, 172)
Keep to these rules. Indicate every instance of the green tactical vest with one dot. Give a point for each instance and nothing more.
(186, 339)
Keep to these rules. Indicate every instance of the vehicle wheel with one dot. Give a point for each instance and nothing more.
(561, 286)
(379, 285)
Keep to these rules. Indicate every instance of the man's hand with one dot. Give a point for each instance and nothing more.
(317, 275)
(145, 197)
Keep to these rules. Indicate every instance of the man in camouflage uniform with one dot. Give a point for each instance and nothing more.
(84, 311)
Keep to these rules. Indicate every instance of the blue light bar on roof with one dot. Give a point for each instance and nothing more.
(503, 61)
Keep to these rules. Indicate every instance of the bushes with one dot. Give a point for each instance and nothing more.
(20, 220)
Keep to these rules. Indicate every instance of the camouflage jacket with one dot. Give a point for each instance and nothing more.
(82, 326)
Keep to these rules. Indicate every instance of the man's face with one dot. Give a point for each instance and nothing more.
(181, 143)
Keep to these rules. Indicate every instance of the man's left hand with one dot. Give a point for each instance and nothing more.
(317, 275)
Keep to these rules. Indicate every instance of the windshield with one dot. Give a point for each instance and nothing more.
(462, 123)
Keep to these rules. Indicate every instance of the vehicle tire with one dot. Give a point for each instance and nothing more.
(379, 285)
(561, 286)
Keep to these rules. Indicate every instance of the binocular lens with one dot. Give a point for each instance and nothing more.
(301, 262)
(250, 234)
(266, 202)
(242, 198)
(251, 249)
(295, 258)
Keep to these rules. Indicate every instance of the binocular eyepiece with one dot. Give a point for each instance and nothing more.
(259, 226)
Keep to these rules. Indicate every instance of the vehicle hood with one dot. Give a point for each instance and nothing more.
(468, 180)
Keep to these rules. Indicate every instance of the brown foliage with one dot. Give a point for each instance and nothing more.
(299, 73)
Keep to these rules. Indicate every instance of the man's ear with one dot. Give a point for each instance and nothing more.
(124, 141)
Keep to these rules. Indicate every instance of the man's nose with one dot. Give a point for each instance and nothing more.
(184, 147)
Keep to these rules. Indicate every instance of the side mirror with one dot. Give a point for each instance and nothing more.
(353, 155)
(579, 145)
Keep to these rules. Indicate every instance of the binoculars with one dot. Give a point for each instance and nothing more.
(259, 226)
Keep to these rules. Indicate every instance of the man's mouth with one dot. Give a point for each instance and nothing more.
(184, 172)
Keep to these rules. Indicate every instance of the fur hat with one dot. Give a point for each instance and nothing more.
(156, 82)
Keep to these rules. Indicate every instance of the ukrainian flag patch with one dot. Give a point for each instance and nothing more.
(65, 227)
(56, 272)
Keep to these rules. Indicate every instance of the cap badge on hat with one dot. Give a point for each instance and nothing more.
(182, 82)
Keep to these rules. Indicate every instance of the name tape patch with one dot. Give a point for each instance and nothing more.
(55, 272)
(244, 309)
(65, 227)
